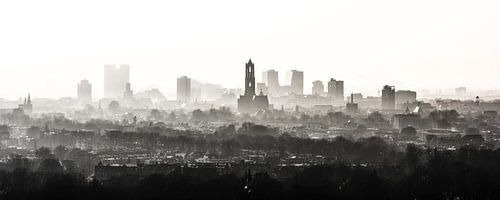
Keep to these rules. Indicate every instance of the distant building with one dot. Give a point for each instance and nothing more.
(331, 88)
(336, 89)
(205, 91)
(84, 91)
(388, 98)
(285, 89)
(115, 80)
(318, 88)
(308, 101)
(271, 79)
(184, 89)
(249, 102)
(357, 97)
(296, 80)
(26, 107)
(405, 96)
(128, 94)
(351, 107)
(339, 90)
(261, 102)
(407, 119)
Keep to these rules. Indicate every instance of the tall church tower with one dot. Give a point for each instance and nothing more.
(249, 79)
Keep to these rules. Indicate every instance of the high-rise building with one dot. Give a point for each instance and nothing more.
(115, 80)
(249, 102)
(351, 107)
(331, 87)
(388, 97)
(84, 91)
(405, 96)
(336, 89)
(128, 94)
(318, 88)
(296, 80)
(184, 89)
(339, 90)
(357, 97)
(271, 79)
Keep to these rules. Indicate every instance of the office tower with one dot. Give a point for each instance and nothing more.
(357, 97)
(184, 89)
(388, 97)
(296, 80)
(318, 88)
(339, 90)
(84, 91)
(128, 94)
(115, 80)
(336, 89)
(331, 87)
(351, 107)
(271, 79)
(405, 96)
(249, 102)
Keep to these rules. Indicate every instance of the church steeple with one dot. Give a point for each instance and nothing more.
(249, 79)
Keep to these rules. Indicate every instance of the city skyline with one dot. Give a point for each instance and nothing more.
(363, 43)
(230, 99)
(99, 87)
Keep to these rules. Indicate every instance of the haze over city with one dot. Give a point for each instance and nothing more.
(249, 100)
(48, 46)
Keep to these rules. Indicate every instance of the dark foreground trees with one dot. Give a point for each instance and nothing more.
(468, 173)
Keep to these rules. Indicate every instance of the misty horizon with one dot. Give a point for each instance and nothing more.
(47, 47)
(230, 99)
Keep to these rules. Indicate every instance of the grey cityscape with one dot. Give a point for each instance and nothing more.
(256, 100)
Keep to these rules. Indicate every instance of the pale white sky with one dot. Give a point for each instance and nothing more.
(47, 46)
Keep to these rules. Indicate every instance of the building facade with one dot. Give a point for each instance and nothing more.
(183, 89)
(388, 98)
(318, 88)
(84, 91)
(336, 89)
(405, 96)
(296, 80)
(271, 79)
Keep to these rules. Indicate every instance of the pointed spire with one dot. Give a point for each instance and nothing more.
(407, 111)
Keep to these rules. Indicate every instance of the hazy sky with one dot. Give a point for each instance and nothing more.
(46, 47)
